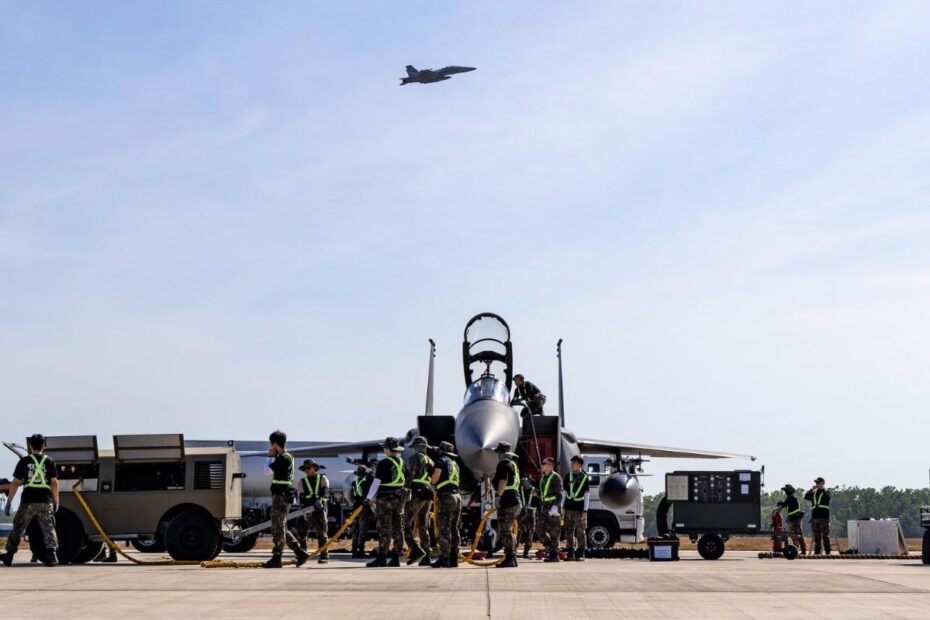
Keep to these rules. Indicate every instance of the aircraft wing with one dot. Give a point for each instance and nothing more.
(326, 449)
(595, 446)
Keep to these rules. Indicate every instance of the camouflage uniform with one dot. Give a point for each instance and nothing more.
(280, 507)
(548, 526)
(418, 509)
(389, 513)
(44, 515)
(317, 519)
(527, 517)
(576, 529)
(506, 520)
(449, 514)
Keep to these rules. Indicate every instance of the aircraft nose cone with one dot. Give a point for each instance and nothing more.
(479, 427)
(470, 68)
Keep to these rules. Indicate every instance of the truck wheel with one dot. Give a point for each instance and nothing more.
(925, 548)
(70, 532)
(191, 537)
(601, 536)
(710, 546)
(790, 552)
(148, 545)
(241, 545)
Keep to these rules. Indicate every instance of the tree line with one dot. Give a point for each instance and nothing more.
(846, 504)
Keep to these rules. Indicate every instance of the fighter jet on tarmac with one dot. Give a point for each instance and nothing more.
(428, 76)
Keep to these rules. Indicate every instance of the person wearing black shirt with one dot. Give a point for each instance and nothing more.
(506, 482)
(819, 498)
(280, 466)
(38, 476)
(357, 493)
(531, 395)
(389, 495)
(575, 504)
(314, 492)
(792, 506)
(530, 500)
(445, 479)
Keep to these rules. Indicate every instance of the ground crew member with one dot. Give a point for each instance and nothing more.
(38, 476)
(314, 491)
(819, 498)
(792, 506)
(530, 500)
(417, 511)
(446, 480)
(548, 521)
(388, 496)
(357, 493)
(577, 500)
(531, 396)
(280, 466)
(506, 481)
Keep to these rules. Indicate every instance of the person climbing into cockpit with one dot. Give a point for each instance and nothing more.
(529, 394)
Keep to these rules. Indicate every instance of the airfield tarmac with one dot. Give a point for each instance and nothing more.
(737, 586)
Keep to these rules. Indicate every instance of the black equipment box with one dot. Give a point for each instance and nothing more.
(663, 549)
(715, 501)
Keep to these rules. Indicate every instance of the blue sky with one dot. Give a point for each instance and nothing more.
(222, 218)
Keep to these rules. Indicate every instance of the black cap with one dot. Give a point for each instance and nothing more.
(788, 489)
(361, 470)
(310, 463)
(819, 480)
(577, 459)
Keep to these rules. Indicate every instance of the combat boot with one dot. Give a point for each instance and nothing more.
(454, 560)
(394, 562)
(526, 552)
(509, 562)
(302, 556)
(51, 559)
(274, 562)
(415, 556)
(440, 562)
(579, 555)
(552, 556)
(569, 554)
(425, 560)
(324, 558)
(7, 558)
(377, 562)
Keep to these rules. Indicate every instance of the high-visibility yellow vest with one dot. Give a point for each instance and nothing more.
(315, 491)
(38, 479)
(399, 479)
(544, 487)
(425, 476)
(453, 475)
(816, 503)
(573, 490)
(515, 485)
(290, 474)
(358, 487)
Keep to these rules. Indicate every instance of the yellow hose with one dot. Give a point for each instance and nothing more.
(114, 546)
(474, 544)
(332, 539)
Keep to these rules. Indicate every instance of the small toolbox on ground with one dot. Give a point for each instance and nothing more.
(663, 549)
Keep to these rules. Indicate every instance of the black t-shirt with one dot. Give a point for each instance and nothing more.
(386, 472)
(576, 485)
(282, 468)
(26, 472)
(507, 471)
(528, 497)
(313, 488)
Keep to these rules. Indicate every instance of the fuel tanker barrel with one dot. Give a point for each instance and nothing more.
(619, 491)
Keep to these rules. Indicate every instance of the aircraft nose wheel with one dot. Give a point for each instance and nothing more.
(790, 552)
(710, 546)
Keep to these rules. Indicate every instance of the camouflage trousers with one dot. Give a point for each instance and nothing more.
(576, 529)
(527, 526)
(416, 524)
(316, 520)
(821, 528)
(389, 515)
(506, 521)
(44, 515)
(548, 528)
(448, 517)
(360, 529)
(280, 507)
(797, 535)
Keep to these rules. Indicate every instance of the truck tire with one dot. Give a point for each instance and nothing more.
(925, 548)
(241, 545)
(601, 535)
(148, 545)
(710, 546)
(70, 532)
(191, 536)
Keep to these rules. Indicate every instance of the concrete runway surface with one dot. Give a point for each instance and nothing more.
(737, 586)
